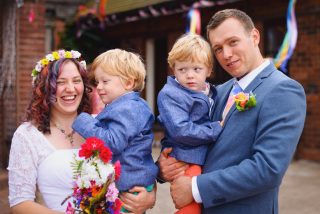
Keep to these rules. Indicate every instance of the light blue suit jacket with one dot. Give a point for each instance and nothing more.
(244, 168)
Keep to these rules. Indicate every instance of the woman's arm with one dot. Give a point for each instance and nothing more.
(22, 173)
(141, 202)
(31, 207)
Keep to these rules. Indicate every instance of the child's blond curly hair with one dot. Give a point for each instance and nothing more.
(126, 65)
(191, 47)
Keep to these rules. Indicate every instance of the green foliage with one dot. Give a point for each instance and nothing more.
(76, 166)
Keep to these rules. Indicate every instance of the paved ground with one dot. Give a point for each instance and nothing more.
(299, 193)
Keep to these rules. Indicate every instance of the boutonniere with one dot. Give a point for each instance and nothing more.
(244, 101)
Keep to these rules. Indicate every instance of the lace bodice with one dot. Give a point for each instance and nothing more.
(34, 161)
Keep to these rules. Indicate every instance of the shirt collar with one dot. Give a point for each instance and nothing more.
(247, 79)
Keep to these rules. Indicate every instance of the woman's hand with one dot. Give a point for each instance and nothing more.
(170, 168)
(138, 203)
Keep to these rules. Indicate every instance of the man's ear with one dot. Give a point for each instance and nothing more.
(255, 35)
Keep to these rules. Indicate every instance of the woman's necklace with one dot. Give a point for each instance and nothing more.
(67, 136)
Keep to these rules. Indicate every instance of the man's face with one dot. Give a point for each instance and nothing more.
(236, 50)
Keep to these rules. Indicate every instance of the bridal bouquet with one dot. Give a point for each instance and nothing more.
(94, 176)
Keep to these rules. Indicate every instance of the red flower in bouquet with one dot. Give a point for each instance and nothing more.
(117, 204)
(117, 169)
(86, 151)
(95, 146)
(105, 154)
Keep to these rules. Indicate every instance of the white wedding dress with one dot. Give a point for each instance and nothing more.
(34, 162)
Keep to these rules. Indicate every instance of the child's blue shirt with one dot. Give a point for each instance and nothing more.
(184, 113)
(125, 127)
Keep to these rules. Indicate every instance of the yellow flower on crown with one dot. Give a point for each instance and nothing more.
(55, 55)
(44, 62)
(68, 54)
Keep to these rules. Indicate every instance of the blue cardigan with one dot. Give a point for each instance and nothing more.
(125, 127)
(185, 116)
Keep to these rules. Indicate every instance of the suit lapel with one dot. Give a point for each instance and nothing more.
(260, 77)
(223, 94)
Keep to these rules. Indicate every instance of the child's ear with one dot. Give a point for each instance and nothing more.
(129, 84)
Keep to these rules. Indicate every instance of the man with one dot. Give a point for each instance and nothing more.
(245, 166)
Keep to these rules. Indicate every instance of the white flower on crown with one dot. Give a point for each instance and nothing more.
(61, 53)
(38, 66)
(75, 54)
(50, 57)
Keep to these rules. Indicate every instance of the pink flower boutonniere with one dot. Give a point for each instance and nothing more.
(245, 101)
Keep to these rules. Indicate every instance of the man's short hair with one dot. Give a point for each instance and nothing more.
(222, 15)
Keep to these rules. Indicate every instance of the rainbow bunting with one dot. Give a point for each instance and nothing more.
(102, 7)
(289, 43)
(98, 9)
(194, 20)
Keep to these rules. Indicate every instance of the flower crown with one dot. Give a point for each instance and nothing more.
(56, 55)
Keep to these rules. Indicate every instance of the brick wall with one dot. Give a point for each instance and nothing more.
(305, 67)
(30, 49)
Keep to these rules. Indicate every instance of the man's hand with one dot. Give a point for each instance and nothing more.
(139, 203)
(181, 191)
(170, 168)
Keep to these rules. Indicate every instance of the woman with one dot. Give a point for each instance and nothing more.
(43, 146)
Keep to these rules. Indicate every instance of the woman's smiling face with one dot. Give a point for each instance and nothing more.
(70, 89)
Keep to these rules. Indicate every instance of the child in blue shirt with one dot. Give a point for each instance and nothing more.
(126, 121)
(185, 105)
